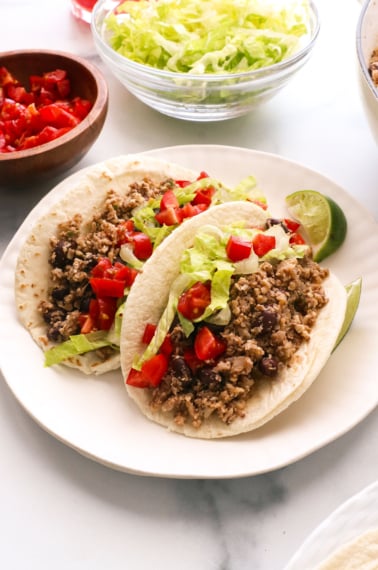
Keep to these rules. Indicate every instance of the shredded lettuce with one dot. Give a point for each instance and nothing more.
(211, 36)
(77, 344)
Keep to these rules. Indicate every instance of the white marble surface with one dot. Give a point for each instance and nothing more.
(60, 510)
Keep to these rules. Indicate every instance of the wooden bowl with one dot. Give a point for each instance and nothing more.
(49, 159)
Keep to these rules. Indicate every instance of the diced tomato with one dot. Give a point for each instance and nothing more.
(80, 107)
(191, 359)
(107, 310)
(105, 287)
(94, 309)
(28, 142)
(169, 217)
(11, 110)
(182, 183)
(193, 302)
(263, 243)
(125, 273)
(19, 94)
(168, 200)
(14, 128)
(46, 109)
(238, 248)
(6, 77)
(142, 245)
(188, 210)
(50, 78)
(36, 82)
(167, 346)
(117, 272)
(3, 142)
(155, 368)
(202, 175)
(87, 324)
(291, 225)
(148, 333)
(64, 88)
(204, 196)
(297, 239)
(44, 97)
(101, 315)
(207, 346)
(125, 231)
(57, 117)
(102, 266)
(151, 374)
(137, 379)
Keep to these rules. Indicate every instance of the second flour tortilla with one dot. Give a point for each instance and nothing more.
(149, 296)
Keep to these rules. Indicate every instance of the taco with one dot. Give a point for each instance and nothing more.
(77, 265)
(230, 322)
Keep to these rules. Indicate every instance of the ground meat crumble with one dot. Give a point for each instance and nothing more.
(272, 313)
(373, 66)
(74, 251)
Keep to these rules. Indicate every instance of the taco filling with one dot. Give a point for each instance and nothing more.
(95, 252)
(217, 368)
(241, 313)
(83, 264)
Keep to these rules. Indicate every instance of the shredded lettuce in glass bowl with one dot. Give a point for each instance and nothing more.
(205, 60)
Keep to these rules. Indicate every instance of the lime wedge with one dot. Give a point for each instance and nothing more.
(353, 290)
(323, 221)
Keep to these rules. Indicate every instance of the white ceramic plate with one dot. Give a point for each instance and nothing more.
(95, 416)
(356, 516)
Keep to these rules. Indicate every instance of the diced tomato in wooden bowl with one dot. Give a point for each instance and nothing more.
(53, 106)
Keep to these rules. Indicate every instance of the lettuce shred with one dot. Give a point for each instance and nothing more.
(77, 344)
(211, 36)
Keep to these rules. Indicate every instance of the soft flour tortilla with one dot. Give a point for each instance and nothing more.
(85, 196)
(148, 299)
(358, 554)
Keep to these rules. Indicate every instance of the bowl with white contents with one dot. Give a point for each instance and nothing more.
(205, 61)
(367, 54)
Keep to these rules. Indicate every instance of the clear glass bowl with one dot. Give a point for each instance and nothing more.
(206, 97)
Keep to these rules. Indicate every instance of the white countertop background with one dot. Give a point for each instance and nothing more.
(61, 510)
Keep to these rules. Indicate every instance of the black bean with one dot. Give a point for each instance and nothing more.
(268, 320)
(268, 366)
(207, 376)
(84, 303)
(180, 367)
(275, 222)
(59, 293)
(300, 305)
(59, 254)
